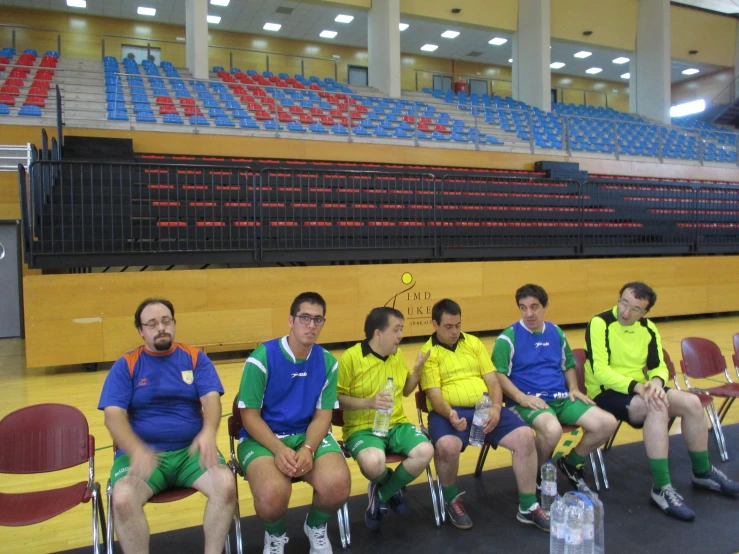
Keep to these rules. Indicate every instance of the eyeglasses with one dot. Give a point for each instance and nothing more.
(166, 321)
(629, 308)
(305, 319)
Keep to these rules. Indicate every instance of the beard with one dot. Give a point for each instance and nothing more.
(163, 343)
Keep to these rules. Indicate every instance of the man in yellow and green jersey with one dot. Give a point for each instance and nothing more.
(364, 369)
(621, 343)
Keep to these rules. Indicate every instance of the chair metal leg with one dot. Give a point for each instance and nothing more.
(434, 500)
(603, 473)
(109, 529)
(596, 480)
(440, 495)
(718, 432)
(237, 527)
(227, 545)
(344, 528)
(96, 527)
(481, 459)
(724, 409)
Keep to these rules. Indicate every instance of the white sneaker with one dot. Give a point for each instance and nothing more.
(318, 537)
(274, 544)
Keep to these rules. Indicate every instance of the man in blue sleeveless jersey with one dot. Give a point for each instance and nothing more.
(287, 396)
(162, 405)
(536, 371)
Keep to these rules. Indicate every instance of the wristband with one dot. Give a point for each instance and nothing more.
(312, 452)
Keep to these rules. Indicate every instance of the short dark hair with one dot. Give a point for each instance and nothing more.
(311, 298)
(534, 291)
(379, 319)
(445, 306)
(641, 291)
(149, 302)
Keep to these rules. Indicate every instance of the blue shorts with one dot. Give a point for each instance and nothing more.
(617, 403)
(439, 426)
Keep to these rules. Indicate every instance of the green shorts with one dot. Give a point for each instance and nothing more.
(565, 411)
(177, 468)
(401, 439)
(249, 449)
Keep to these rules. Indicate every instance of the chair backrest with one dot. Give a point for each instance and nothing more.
(421, 401)
(43, 438)
(580, 357)
(670, 365)
(735, 356)
(337, 418)
(701, 358)
(234, 421)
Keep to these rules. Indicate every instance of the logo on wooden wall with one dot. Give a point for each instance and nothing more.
(415, 304)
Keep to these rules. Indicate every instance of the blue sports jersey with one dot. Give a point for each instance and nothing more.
(538, 363)
(161, 392)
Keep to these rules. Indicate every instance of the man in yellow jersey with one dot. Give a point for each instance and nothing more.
(620, 344)
(363, 371)
(455, 376)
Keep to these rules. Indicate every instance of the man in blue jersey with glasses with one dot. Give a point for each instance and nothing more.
(162, 406)
(287, 396)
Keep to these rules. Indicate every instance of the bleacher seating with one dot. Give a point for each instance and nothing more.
(25, 81)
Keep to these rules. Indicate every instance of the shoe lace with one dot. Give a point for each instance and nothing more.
(672, 495)
(277, 543)
(456, 504)
(318, 536)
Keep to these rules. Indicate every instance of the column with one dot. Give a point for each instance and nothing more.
(196, 28)
(531, 53)
(383, 41)
(650, 71)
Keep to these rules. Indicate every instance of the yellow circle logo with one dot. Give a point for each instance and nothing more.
(407, 278)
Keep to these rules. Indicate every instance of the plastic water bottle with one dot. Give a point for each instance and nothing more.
(588, 529)
(557, 527)
(382, 417)
(548, 485)
(482, 414)
(573, 530)
(598, 527)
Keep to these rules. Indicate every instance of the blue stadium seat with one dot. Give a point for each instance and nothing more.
(248, 123)
(199, 120)
(30, 110)
(173, 118)
(118, 116)
(224, 121)
(296, 127)
(4, 109)
(145, 117)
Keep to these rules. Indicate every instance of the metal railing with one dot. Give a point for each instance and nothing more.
(235, 53)
(86, 213)
(13, 154)
(19, 39)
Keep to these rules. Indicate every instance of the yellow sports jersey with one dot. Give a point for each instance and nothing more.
(362, 373)
(457, 371)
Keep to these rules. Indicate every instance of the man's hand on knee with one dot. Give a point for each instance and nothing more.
(205, 444)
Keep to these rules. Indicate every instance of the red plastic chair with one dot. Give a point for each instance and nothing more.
(703, 359)
(42, 439)
(234, 430)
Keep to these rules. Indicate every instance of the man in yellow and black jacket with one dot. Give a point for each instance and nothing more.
(620, 344)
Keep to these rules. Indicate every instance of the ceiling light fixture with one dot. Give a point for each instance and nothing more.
(429, 47)
(583, 54)
(328, 34)
(344, 18)
(403, 26)
(691, 71)
(450, 34)
(214, 19)
(272, 27)
(621, 60)
(77, 3)
(146, 11)
(626, 76)
(593, 70)
(556, 65)
(497, 41)
(220, 2)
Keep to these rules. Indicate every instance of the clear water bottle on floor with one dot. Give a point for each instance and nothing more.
(548, 485)
(382, 417)
(557, 527)
(588, 529)
(573, 529)
(598, 528)
(482, 414)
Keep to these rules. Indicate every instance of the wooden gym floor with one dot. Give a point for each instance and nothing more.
(71, 385)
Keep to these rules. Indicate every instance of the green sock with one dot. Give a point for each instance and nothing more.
(449, 492)
(574, 459)
(316, 517)
(276, 527)
(525, 501)
(700, 461)
(382, 479)
(660, 472)
(397, 481)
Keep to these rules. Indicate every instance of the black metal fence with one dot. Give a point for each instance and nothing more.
(99, 214)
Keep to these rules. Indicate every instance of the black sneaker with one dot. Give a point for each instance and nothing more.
(375, 508)
(534, 516)
(715, 480)
(575, 475)
(670, 502)
(397, 503)
(457, 514)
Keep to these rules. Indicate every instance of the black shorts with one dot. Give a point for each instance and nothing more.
(617, 403)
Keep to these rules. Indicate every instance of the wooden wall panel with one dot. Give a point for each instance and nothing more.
(88, 317)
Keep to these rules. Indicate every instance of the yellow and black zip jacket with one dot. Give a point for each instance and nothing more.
(617, 354)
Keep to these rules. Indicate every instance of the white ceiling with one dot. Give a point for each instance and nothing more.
(307, 20)
(720, 6)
